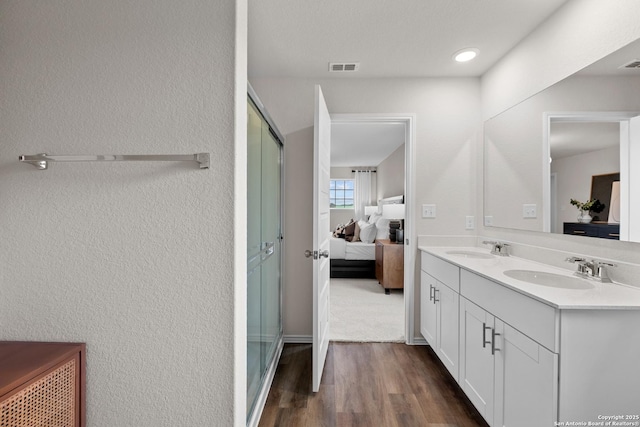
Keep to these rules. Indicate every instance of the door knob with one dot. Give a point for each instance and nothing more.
(308, 253)
(324, 253)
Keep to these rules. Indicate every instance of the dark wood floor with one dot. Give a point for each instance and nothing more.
(367, 384)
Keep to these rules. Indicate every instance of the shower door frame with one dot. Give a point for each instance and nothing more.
(268, 374)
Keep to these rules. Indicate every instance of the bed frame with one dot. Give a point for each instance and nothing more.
(352, 269)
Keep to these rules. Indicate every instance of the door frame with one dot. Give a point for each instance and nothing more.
(411, 240)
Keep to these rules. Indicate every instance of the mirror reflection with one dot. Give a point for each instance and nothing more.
(572, 141)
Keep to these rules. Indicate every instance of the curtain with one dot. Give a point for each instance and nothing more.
(362, 195)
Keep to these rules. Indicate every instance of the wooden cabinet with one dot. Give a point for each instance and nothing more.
(42, 384)
(389, 265)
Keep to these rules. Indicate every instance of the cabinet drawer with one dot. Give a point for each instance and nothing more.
(442, 270)
(580, 229)
(609, 232)
(529, 316)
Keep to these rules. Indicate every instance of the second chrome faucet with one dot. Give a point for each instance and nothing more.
(594, 269)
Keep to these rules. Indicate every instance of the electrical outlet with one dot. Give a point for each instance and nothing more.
(469, 223)
(529, 211)
(428, 211)
(488, 221)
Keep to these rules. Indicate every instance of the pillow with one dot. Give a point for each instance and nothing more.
(382, 227)
(356, 233)
(349, 231)
(339, 231)
(368, 233)
(374, 217)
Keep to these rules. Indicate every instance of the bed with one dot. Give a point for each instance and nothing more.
(358, 259)
(352, 259)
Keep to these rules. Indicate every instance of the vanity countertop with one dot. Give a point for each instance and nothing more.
(605, 296)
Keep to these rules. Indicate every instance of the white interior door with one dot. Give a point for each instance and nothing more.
(321, 169)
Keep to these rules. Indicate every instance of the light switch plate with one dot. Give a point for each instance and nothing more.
(488, 221)
(529, 211)
(428, 211)
(469, 223)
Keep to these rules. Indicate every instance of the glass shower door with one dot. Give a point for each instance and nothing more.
(254, 248)
(264, 324)
(270, 298)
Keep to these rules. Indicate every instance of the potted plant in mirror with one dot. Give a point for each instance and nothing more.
(585, 209)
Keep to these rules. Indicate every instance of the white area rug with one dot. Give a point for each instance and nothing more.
(361, 312)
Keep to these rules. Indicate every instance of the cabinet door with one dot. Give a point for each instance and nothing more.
(428, 310)
(448, 317)
(526, 382)
(476, 360)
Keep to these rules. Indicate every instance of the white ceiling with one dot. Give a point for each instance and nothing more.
(408, 38)
(572, 138)
(364, 144)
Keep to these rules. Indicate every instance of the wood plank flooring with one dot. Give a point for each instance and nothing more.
(367, 384)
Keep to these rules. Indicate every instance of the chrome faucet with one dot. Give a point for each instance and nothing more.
(594, 269)
(498, 248)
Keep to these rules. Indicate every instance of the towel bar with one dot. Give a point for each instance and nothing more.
(41, 161)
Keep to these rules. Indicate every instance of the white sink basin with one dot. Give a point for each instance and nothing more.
(470, 254)
(548, 279)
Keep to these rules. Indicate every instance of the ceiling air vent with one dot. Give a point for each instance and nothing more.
(343, 67)
(633, 64)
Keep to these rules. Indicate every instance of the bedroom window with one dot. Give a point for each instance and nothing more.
(341, 194)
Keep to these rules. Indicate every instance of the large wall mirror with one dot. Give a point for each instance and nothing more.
(578, 139)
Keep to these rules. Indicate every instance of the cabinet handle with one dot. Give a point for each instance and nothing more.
(435, 300)
(431, 288)
(614, 234)
(484, 335)
(579, 232)
(494, 334)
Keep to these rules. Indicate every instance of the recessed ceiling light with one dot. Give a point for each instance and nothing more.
(465, 55)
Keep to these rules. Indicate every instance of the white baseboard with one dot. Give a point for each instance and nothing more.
(297, 339)
(420, 341)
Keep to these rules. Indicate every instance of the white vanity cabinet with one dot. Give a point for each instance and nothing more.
(476, 360)
(526, 380)
(510, 378)
(529, 356)
(439, 308)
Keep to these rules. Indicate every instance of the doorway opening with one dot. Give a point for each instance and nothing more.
(369, 302)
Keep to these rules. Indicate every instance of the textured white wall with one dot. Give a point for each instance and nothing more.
(135, 259)
(447, 118)
(391, 174)
(298, 226)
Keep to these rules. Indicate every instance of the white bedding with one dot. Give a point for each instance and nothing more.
(341, 249)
